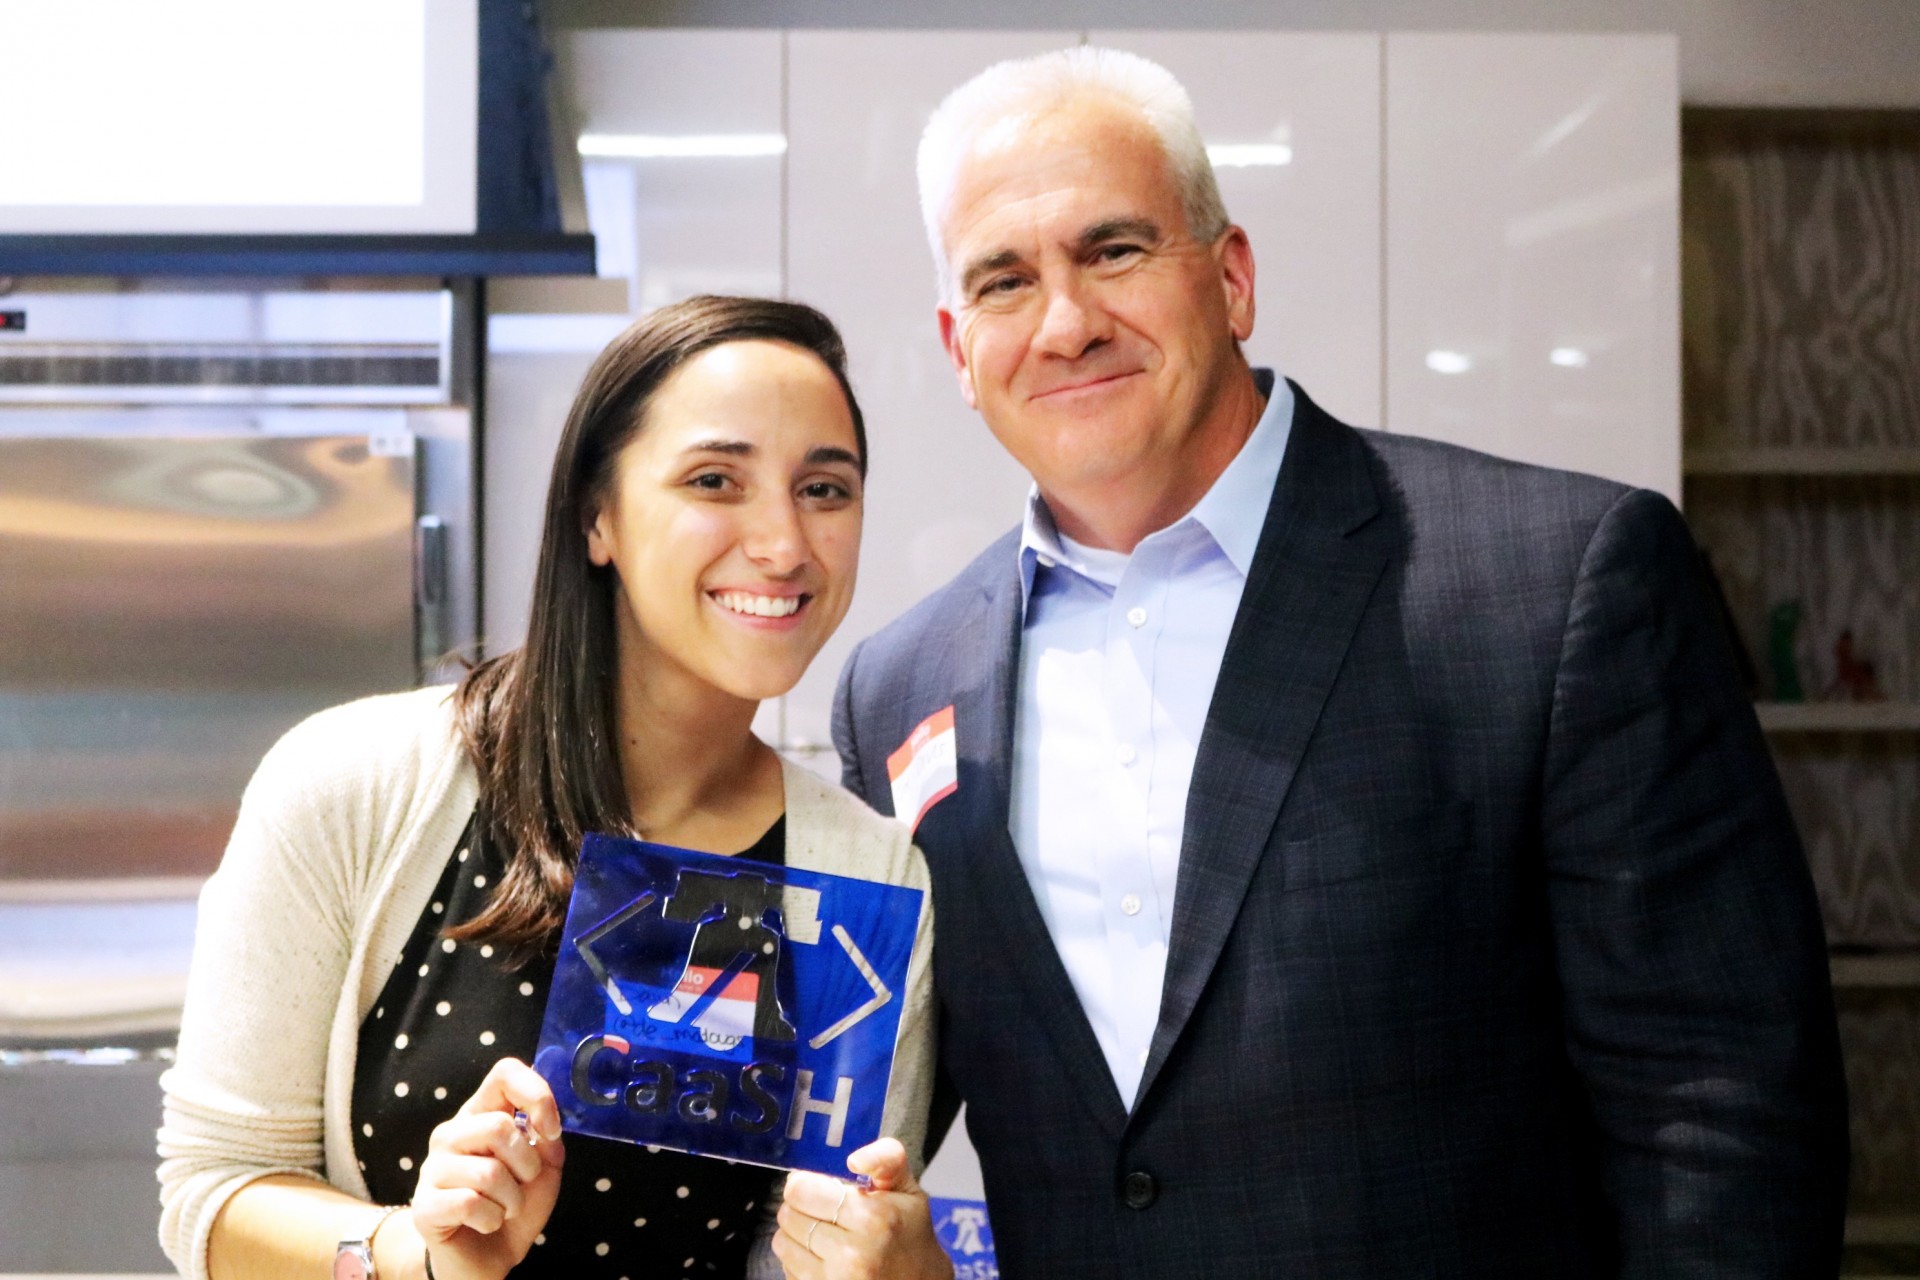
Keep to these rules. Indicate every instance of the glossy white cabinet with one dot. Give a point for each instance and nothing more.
(940, 488)
(1532, 231)
(1293, 123)
(685, 131)
(707, 220)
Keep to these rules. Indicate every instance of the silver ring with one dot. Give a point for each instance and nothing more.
(843, 1204)
(808, 1242)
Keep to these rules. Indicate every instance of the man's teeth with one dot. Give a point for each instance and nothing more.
(759, 606)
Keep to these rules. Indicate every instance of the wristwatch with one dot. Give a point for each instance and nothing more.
(353, 1259)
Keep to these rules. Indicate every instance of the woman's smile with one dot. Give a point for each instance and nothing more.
(764, 609)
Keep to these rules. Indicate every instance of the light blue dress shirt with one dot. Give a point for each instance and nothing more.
(1118, 660)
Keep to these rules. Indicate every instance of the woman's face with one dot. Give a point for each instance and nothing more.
(733, 520)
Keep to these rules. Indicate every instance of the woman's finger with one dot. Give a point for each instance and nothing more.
(449, 1171)
(819, 1196)
(511, 1085)
(795, 1258)
(489, 1133)
(440, 1213)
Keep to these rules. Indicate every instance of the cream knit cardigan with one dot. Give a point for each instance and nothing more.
(343, 833)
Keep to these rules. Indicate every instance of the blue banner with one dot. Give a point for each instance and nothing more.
(964, 1232)
(726, 1007)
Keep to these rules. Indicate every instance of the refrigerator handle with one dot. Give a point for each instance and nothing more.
(429, 591)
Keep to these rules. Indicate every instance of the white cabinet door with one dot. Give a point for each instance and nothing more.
(1293, 123)
(690, 204)
(684, 156)
(940, 488)
(1532, 198)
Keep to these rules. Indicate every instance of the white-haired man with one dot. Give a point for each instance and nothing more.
(1362, 859)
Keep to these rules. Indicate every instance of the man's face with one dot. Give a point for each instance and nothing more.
(1088, 326)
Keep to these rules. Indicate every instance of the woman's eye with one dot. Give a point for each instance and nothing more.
(712, 481)
(825, 491)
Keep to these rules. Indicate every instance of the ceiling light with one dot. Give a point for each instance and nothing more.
(1569, 357)
(1448, 362)
(1243, 155)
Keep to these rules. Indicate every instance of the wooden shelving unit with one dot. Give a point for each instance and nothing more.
(1792, 337)
(1864, 460)
(1893, 970)
(1839, 717)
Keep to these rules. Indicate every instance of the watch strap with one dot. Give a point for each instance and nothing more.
(363, 1243)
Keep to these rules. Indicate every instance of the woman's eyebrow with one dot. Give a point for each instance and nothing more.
(819, 455)
(736, 448)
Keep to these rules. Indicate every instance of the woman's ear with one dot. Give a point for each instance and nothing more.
(599, 538)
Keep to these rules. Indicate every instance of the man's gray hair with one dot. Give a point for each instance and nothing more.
(1025, 84)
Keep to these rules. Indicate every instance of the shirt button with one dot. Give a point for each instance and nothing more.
(1125, 754)
(1137, 616)
(1139, 1189)
(1046, 562)
(1131, 904)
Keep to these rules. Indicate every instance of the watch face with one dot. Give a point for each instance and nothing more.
(351, 1264)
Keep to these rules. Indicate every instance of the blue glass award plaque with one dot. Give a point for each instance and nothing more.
(726, 1007)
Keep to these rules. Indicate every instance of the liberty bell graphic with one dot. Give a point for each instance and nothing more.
(729, 988)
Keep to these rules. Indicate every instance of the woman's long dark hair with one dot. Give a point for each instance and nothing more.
(539, 722)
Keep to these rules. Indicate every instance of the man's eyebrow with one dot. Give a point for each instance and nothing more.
(1118, 229)
(986, 266)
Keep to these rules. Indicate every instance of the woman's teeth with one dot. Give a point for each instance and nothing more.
(759, 606)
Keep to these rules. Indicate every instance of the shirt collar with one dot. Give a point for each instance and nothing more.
(1232, 512)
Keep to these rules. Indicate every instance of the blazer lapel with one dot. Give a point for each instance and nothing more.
(1307, 589)
(987, 667)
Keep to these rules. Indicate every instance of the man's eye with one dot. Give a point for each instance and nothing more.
(1116, 252)
(1000, 285)
(826, 491)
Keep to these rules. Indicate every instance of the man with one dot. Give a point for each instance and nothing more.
(1361, 860)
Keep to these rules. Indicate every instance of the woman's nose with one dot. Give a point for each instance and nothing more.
(775, 537)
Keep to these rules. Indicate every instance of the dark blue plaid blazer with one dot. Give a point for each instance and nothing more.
(1494, 951)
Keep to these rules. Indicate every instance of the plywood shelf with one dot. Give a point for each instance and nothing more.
(1839, 717)
(1863, 460)
(1899, 969)
(1883, 1228)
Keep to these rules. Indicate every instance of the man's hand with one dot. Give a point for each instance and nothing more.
(832, 1230)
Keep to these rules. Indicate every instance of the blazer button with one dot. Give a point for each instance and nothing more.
(1139, 1189)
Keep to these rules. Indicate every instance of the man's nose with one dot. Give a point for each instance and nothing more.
(1073, 323)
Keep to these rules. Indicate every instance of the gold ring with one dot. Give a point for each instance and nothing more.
(809, 1240)
(843, 1204)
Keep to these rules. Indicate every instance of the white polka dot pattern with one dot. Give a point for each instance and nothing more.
(456, 1010)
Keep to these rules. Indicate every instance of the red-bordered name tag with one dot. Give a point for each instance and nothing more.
(926, 768)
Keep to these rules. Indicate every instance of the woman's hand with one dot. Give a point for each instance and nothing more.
(486, 1190)
(830, 1228)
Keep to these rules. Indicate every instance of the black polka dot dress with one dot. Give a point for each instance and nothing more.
(447, 1014)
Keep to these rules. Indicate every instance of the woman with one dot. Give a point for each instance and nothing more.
(377, 944)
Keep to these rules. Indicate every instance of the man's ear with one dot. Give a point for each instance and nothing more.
(957, 355)
(1235, 255)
